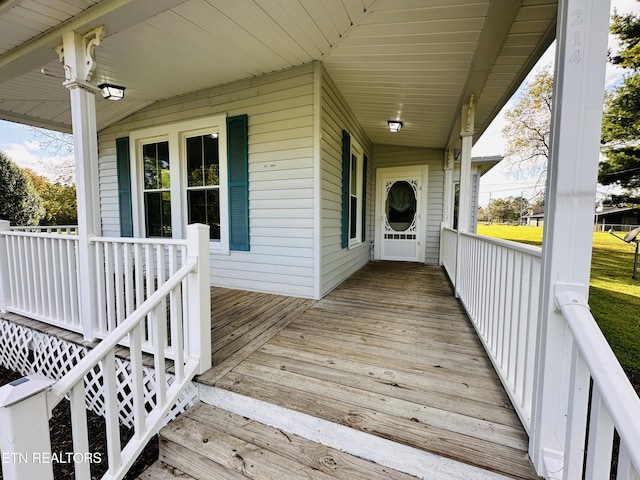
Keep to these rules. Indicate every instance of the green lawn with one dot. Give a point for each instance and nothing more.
(614, 297)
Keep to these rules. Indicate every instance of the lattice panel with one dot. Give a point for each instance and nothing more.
(14, 353)
(27, 351)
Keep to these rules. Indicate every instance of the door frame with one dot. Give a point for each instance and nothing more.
(413, 170)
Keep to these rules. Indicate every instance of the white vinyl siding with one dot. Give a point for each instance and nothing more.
(337, 264)
(280, 111)
(396, 156)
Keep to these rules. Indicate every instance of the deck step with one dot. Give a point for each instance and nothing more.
(161, 471)
(209, 443)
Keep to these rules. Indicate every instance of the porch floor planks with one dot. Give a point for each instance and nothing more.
(392, 353)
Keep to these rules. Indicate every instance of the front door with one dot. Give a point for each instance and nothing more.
(401, 214)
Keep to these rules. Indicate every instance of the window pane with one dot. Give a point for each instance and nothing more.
(158, 214)
(204, 207)
(156, 165)
(353, 217)
(211, 160)
(202, 161)
(163, 164)
(194, 161)
(354, 175)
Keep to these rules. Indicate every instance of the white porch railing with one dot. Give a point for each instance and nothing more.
(128, 272)
(610, 404)
(499, 286)
(39, 277)
(448, 251)
(25, 411)
(63, 229)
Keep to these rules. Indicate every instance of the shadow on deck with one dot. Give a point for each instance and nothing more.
(390, 352)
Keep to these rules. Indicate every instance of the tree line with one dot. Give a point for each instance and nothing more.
(27, 198)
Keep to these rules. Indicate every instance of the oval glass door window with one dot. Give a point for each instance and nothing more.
(400, 206)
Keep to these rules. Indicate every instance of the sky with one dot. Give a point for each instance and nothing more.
(22, 145)
(504, 180)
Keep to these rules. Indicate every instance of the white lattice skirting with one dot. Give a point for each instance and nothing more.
(28, 352)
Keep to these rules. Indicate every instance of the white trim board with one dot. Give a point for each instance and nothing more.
(354, 442)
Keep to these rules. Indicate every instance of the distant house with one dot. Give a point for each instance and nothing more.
(604, 217)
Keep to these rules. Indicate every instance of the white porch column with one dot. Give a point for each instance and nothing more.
(447, 214)
(464, 202)
(571, 186)
(77, 54)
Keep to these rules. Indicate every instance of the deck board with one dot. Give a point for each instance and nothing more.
(389, 352)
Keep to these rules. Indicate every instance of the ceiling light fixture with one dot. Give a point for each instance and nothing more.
(394, 126)
(111, 92)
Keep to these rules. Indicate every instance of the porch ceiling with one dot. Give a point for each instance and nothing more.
(416, 60)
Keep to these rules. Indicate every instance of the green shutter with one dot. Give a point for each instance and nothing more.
(237, 165)
(364, 198)
(123, 169)
(346, 164)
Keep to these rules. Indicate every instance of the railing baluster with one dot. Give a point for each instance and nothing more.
(112, 423)
(600, 438)
(79, 428)
(110, 286)
(137, 385)
(120, 300)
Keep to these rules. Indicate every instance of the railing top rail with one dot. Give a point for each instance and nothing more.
(519, 247)
(66, 383)
(20, 233)
(42, 227)
(618, 395)
(142, 241)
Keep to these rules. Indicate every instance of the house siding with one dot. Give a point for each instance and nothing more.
(280, 109)
(338, 263)
(396, 156)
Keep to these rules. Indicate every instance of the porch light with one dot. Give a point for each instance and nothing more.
(394, 126)
(111, 92)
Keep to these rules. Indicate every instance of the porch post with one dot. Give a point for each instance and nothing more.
(447, 214)
(571, 186)
(464, 202)
(198, 341)
(77, 52)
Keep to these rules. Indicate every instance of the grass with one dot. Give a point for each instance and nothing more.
(614, 297)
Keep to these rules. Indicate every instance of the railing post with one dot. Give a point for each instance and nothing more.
(24, 429)
(581, 55)
(198, 337)
(4, 266)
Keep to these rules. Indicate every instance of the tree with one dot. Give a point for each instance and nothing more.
(19, 201)
(528, 126)
(621, 120)
(507, 210)
(59, 200)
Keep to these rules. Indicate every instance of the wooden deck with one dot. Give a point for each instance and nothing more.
(390, 352)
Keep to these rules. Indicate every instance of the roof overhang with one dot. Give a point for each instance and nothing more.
(418, 61)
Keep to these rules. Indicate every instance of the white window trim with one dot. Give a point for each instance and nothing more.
(358, 151)
(175, 134)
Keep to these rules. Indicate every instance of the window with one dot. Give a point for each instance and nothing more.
(353, 193)
(157, 189)
(180, 175)
(354, 198)
(203, 182)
